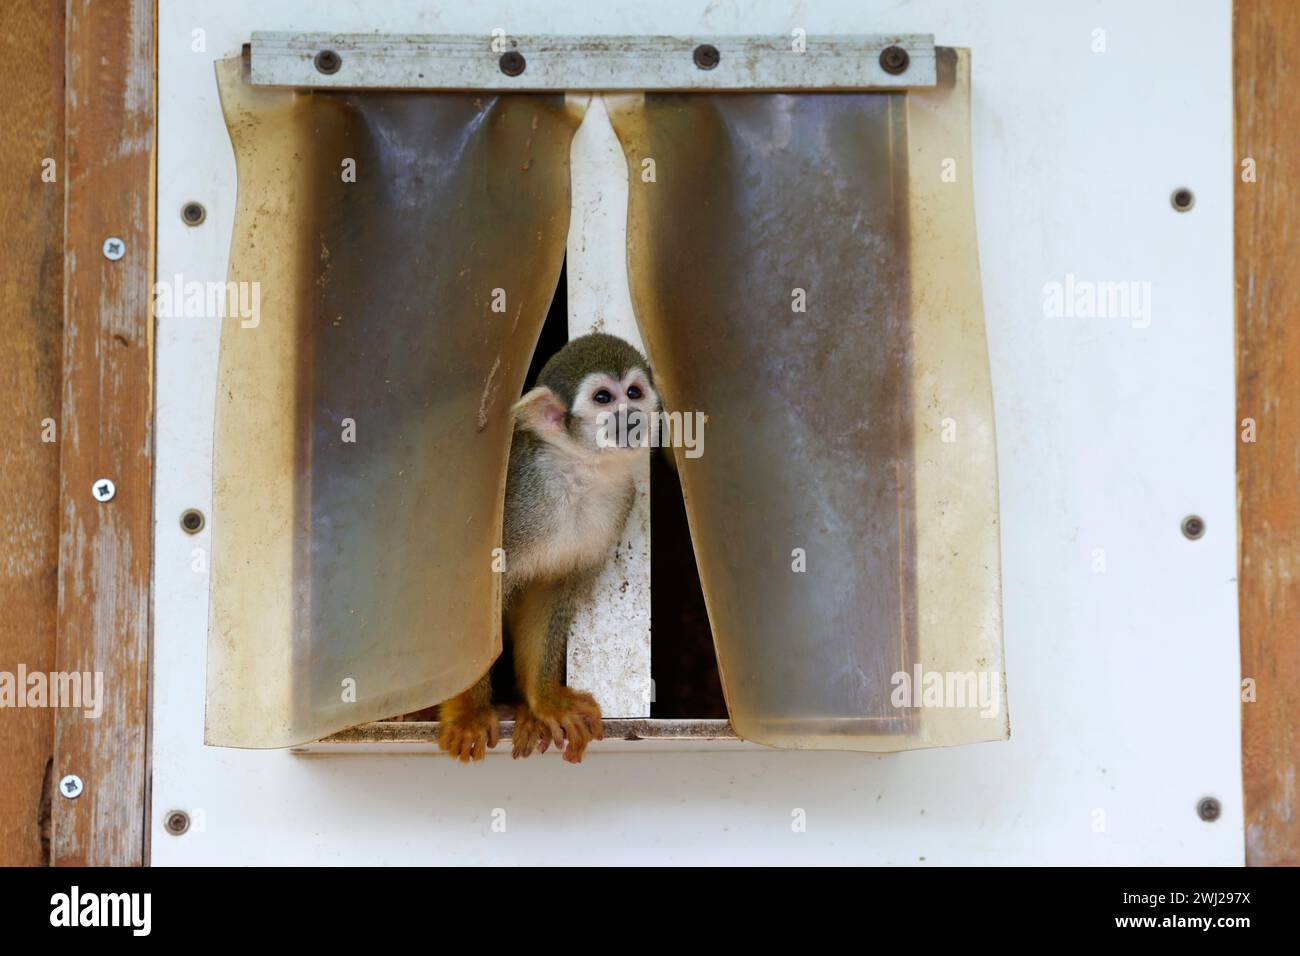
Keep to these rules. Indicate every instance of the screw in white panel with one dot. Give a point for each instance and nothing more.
(103, 489)
(1209, 809)
(71, 786)
(114, 248)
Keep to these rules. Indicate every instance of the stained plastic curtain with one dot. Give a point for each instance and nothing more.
(804, 272)
(803, 268)
(406, 247)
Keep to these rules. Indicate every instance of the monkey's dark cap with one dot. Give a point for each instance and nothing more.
(597, 352)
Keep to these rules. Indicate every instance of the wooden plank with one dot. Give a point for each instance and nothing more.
(31, 327)
(104, 556)
(609, 643)
(636, 735)
(1266, 36)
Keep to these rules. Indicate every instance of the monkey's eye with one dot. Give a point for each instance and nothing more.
(634, 393)
(602, 397)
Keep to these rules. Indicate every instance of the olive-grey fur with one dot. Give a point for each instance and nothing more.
(564, 510)
(568, 498)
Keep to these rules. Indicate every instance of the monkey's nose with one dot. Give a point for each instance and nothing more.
(632, 424)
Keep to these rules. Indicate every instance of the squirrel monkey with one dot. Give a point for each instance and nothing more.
(578, 437)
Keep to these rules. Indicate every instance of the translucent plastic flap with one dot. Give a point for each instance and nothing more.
(402, 250)
(804, 271)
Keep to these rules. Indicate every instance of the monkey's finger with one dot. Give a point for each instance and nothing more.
(494, 734)
(576, 729)
(455, 748)
(466, 747)
(589, 724)
(586, 705)
(525, 739)
(451, 743)
(557, 732)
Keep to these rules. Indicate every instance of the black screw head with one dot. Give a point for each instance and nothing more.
(894, 60)
(176, 822)
(1193, 527)
(193, 213)
(706, 56)
(327, 62)
(1209, 809)
(1182, 199)
(512, 63)
(192, 521)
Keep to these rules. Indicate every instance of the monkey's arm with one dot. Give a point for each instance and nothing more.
(539, 618)
(468, 725)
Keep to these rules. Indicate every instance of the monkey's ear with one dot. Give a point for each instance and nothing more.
(540, 409)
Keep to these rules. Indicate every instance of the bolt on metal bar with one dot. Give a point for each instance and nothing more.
(539, 63)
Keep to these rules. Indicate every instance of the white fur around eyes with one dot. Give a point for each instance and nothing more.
(586, 408)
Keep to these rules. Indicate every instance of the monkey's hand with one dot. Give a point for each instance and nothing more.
(568, 718)
(466, 736)
(469, 725)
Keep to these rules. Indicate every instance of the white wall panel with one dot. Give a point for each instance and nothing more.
(1123, 683)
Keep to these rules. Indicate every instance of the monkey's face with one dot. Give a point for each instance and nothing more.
(594, 398)
(614, 415)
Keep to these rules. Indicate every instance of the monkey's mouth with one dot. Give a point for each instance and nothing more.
(628, 446)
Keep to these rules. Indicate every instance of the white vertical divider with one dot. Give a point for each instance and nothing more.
(609, 645)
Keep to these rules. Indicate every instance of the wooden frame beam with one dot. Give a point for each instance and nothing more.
(31, 327)
(105, 546)
(1266, 53)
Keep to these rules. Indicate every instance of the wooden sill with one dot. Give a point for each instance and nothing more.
(628, 735)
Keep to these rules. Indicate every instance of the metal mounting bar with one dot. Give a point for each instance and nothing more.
(541, 63)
